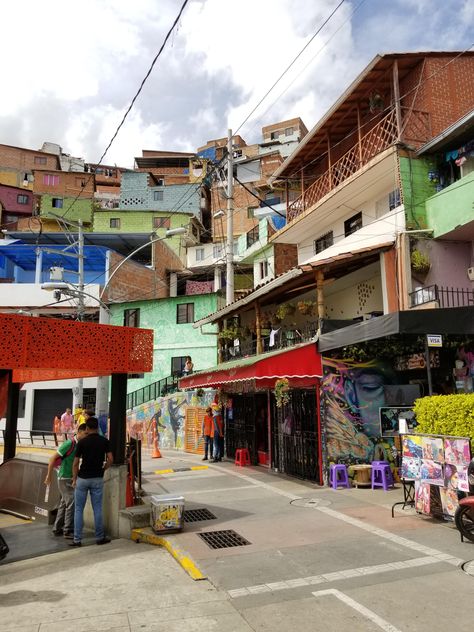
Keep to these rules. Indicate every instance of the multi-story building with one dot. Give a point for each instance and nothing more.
(15, 203)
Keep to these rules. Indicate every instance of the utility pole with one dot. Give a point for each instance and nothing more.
(80, 299)
(229, 295)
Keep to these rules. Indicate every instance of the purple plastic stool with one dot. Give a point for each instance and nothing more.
(381, 475)
(338, 476)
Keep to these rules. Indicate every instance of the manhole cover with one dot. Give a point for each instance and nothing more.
(223, 539)
(468, 567)
(196, 515)
(310, 502)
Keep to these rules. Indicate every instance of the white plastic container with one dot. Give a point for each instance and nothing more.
(167, 513)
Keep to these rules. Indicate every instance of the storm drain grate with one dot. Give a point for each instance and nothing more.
(196, 515)
(223, 539)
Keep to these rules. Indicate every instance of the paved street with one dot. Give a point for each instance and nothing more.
(316, 559)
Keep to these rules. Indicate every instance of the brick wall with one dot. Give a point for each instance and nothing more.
(9, 200)
(134, 282)
(72, 208)
(24, 159)
(242, 223)
(69, 183)
(286, 257)
(136, 194)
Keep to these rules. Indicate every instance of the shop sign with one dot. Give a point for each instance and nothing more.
(434, 340)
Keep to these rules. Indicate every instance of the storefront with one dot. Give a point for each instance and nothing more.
(286, 438)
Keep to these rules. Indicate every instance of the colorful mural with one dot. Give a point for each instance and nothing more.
(165, 417)
(352, 394)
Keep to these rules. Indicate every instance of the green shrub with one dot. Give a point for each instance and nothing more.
(446, 415)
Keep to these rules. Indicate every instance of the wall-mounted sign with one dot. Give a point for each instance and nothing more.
(434, 340)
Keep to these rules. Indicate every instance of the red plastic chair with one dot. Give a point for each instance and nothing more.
(242, 457)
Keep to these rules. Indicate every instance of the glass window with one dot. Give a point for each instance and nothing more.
(161, 222)
(352, 224)
(50, 180)
(263, 269)
(199, 254)
(289, 131)
(394, 199)
(158, 196)
(57, 202)
(131, 317)
(40, 160)
(185, 313)
(323, 242)
(217, 251)
(22, 199)
(114, 222)
(177, 365)
(251, 211)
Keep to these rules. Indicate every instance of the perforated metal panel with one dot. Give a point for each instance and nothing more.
(223, 539)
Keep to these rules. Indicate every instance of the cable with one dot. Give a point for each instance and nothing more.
(290, 65)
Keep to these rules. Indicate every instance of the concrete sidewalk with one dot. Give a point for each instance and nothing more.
(315, 559)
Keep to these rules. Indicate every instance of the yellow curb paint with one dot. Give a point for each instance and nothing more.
(144, 535)
(164, 471)
(200, 467)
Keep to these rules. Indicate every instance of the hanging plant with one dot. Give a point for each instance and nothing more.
(199, 392)
(420, 262)
(284, 310)
(305, 307)
(282, 395)
(230, 333)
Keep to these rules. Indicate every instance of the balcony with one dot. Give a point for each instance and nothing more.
(442, 296)
(449, 212)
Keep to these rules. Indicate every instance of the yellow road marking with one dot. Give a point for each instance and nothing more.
(164, 471)
(200, 467)
(146, 535)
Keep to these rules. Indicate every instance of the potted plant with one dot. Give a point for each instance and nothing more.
(284, 310)
(229, 333)
(282, 396)
(305, 307)
(420, 262)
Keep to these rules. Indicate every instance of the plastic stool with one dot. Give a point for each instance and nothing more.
(338, 475)
(381, 476)
(242, 457)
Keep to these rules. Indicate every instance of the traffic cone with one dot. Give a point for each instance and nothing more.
(128, 493)
(156, 451)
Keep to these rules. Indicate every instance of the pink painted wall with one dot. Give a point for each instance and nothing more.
(449, 263)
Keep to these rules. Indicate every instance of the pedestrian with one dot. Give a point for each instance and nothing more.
(207, 434)
(218, 433)
(57, 423)
(188, 366)
(94, 456)
(80, 415)
(67, 421)
(64, 523)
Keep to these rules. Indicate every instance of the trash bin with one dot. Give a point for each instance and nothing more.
(167, 513)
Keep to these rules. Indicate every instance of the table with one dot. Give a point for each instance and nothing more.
(361, 475)
(408, 495)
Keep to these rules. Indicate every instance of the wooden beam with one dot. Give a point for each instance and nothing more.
(320, 296)
(359, 135)
(258, 327)
(396, 94)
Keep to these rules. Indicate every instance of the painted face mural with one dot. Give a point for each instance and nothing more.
(352, 396)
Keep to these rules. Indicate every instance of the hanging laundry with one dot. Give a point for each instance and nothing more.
(273, 333)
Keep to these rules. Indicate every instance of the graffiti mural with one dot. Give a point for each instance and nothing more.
(163, 418)
(352, 394)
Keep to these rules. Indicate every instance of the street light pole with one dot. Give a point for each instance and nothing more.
(80, 299)
(229, 294)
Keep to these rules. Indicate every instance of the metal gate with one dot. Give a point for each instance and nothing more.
(294, 433)
(241, 431)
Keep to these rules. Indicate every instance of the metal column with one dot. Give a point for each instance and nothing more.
(118, 417)
(9, 448)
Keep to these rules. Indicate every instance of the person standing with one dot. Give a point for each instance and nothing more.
(218, 433)
(207, 434)
(94, 455)
(64, 523)
(188, 366)
(67, 421)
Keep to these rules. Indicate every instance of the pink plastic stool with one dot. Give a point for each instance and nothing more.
(242, 457)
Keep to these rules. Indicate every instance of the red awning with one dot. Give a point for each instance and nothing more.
(301, 365)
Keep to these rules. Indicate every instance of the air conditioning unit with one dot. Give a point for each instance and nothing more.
(470, 274)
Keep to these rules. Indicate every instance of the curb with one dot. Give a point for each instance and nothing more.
(183, 559)
(182, 469)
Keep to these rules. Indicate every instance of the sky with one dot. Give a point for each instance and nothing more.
(70, 70)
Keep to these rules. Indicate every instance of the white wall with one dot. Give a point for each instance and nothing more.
(30, 295)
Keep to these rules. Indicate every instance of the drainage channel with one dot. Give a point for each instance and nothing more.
(468, 568)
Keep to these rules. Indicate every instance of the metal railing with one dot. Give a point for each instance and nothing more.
(153, 391)
(38, 438)
(444, 296)
(282, 339)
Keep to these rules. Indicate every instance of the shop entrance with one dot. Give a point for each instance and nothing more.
(248, 427)
(294, 432)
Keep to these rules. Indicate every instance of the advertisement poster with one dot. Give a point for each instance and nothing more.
(456, 477)
(449, 500)
(433, 449)
(457, 452)
(432, 472)
(422, 497)
(411, 468)
(389, 416)
(411, 446)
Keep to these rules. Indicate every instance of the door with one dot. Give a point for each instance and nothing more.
(246, 429)
(294, 432)
(47, 404)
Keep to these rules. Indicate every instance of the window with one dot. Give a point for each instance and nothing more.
(217, 251)
(80, 183)
(263, 269)
(352, 224)
(394, 199)
(40, 160)
(160, 182)
(22, 199)
(274, 135)
(323, 242)
(289, 131)
(177, 365)
(251, 211)
(161, 222)
(199, 254)
(185, 313)
(114, 222)
(131, 317)
(57, 202)
(50, 180)
(158, 196)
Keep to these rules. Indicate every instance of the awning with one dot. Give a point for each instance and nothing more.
(299, 363)
(452, 320)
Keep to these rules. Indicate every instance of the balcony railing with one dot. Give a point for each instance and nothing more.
(283, 339)
(444, 296)
(379, 138)
(153, 391)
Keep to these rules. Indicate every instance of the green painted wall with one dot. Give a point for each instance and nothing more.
(451, 207)
(171, 339)
(79, 208)
(416, 188)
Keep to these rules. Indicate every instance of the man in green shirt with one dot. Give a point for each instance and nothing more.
(64, 523)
